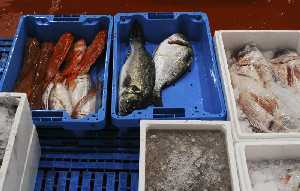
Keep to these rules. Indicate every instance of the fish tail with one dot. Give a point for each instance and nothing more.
(156, 98)
(136, 33)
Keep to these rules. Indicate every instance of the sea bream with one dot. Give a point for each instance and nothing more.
(252, 79)
(286, 68)
(137, 75)
(172, 59)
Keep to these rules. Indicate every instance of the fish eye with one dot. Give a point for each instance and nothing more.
(135, 89)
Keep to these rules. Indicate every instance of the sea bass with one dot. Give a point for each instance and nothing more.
(137, 75)
(172, 59)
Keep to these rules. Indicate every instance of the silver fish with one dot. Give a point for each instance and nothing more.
(83, 96)
(172, 59)
(137, 75)
(81, 88)
(46, 95)
(85, 105)
(59, 98)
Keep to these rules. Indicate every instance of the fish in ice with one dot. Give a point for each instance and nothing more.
(251, 55)
(286, 67)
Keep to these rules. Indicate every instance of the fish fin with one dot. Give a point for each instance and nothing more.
(280, 123)
(136, 32)
(156, 99)
(154, 52)
(268, 103)
(99, 88)
(128, 53)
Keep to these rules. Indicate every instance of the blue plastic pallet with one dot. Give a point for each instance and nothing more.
(97, 161)
(198, 94)
(49, 28)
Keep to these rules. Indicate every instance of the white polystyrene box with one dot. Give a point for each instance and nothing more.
(265, 40)
(263, 150)
(188, 125)
(22, 140)
(31, 163)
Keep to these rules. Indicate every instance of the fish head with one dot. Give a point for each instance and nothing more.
(178, 39)
(130, 99)
(136, 32)
(249, 55)
(284, 52)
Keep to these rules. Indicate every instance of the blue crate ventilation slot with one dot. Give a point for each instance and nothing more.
(66, 18)
(160, 15)
(197, 94)
(5, 46)
(105, 160)
(50, 28)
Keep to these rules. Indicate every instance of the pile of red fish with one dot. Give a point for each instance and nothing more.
(56, 77)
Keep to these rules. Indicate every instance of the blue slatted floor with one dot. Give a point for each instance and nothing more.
(104, 160)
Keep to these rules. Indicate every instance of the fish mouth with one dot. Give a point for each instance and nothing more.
(126, 106)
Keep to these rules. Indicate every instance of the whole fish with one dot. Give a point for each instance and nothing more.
(37, 89)
(262, 113)
(137, 75)
(32, 52)
(82, 86)
(83, 96)
(87, 104)
(172, 59)
(59, 98)
(286, 67)
(26, 78)
(251, 55)
(252, 79)
(59, 54)
(72, 61)
(88, 57)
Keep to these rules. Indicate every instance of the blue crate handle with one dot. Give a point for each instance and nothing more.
(45, 19)
(161, 15)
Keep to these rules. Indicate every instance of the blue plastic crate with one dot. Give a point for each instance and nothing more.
(5, 47)
(198, 94)
(49, 28)
(106, 160)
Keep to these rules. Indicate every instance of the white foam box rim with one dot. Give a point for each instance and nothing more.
(263, 150)
(15, 155)
(31, 163)
(265, 40)
(196, 125)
